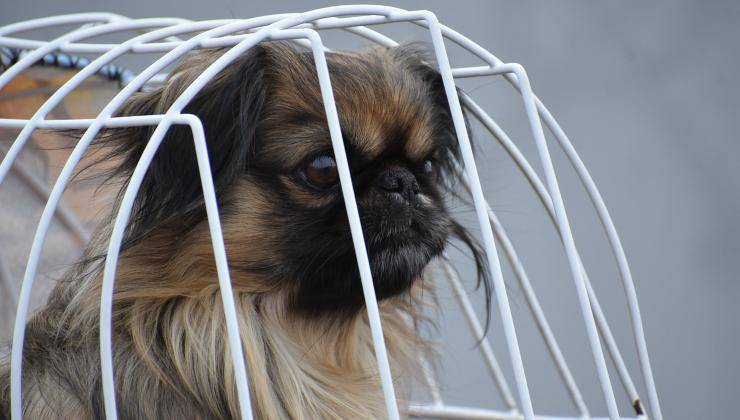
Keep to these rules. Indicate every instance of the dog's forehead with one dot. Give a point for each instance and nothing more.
(386, 110)
(382, 106)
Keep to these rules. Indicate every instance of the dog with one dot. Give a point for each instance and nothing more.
(299, 300)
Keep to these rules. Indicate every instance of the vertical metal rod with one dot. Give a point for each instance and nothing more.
(538, 314)
(595, 197)
(423, 19)
(477, 329)
(479, 202)
(599, 205)
(54, 196)
(544, 197)
(119, 227)
(355, 226)
(509, 250)
(565, 232)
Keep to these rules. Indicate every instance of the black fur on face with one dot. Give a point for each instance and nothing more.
(266, 130)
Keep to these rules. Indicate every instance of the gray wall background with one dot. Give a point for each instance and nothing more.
(648, 94)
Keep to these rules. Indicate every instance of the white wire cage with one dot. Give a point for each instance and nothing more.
(160, 35)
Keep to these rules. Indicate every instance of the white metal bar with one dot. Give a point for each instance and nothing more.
(611, 345)
(78, 122)
(49, 209)
(602, 211)
(221, 41)
(35, 55)
(479, 203)
(510, 252)
(538, 314)
(620, 256)
(468, 413)
(355, 224)
(583, 174)
(563, 226)
(127, 202)
(478, 333)
(215, 42)
(544, 196)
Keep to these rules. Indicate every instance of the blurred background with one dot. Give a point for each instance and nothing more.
(647, 93)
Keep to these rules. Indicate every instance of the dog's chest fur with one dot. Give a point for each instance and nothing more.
(172, 361)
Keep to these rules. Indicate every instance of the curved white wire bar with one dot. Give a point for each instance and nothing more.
(235, 345)
(596, 199)
(542, 323)
(570, 152)
(465, 72)
(429, 377)
(582, 172)
(467, 413)
(209, 196)
(19, 329)
(512, 256)
(565, 232)
(598, 203)
(477, 329)
(544, 197)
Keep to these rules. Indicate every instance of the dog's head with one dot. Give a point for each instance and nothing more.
(276, 177)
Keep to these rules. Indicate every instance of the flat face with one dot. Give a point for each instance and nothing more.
(397, 136)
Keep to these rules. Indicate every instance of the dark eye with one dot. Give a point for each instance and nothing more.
(321, 171)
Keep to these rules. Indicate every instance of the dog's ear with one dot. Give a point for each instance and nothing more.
(229, 107)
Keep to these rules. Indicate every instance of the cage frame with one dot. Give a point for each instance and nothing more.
(305, 28)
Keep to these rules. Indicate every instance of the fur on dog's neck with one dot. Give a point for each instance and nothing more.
(170, 341)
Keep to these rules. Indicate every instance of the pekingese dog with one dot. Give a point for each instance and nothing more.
(299, 298)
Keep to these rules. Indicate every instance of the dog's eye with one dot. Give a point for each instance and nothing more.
(321, 171)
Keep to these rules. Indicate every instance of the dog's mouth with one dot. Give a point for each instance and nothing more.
(398, 251)
(398, 257)
(411, 240)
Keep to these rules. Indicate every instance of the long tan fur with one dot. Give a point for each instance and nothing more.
(171, 357)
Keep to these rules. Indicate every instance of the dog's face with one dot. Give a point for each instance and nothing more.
(283, 212)
(396, 133)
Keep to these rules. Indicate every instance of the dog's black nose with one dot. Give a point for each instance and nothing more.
(398, 180)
